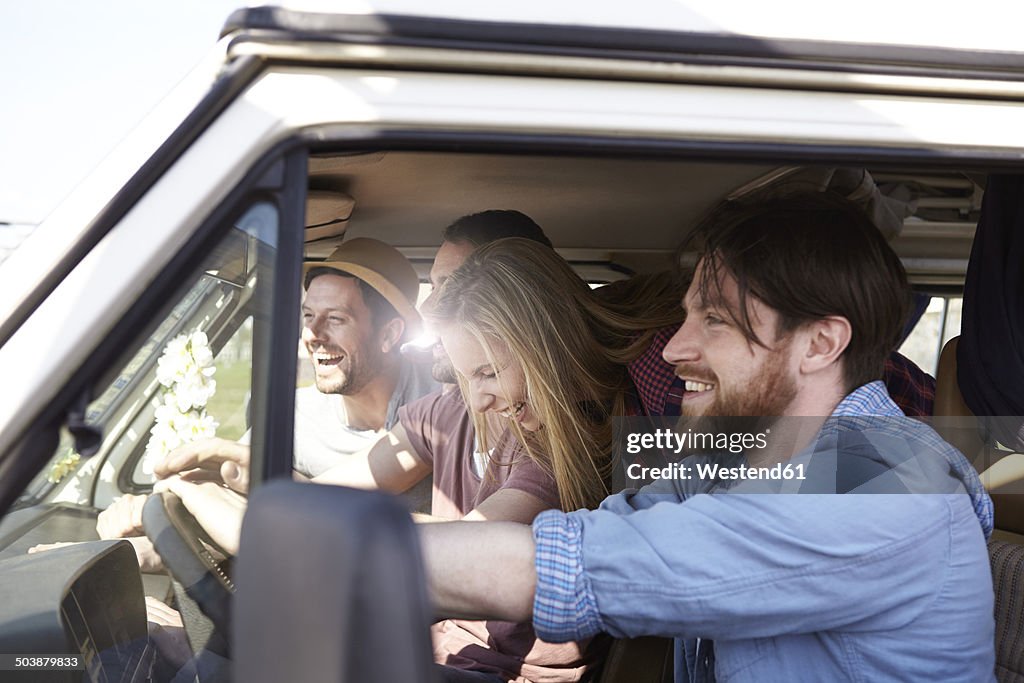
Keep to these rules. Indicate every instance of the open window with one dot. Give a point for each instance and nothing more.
(187, 375)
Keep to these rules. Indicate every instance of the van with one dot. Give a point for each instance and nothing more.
(616, 129)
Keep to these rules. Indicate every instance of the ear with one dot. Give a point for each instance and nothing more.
(826, 339)
(391, 334)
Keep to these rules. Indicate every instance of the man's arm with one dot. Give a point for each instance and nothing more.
(729, 566)
(122, 519)
(480, 571)
(217, 509)
(391, 464)
(505, 505)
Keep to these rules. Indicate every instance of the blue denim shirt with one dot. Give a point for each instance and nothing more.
(864, 586)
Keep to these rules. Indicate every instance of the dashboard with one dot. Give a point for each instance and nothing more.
(85, 599)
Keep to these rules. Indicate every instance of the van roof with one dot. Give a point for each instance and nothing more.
(876, 32)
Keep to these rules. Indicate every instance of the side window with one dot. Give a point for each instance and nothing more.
(187, 376)
(939, 323)
(230, 405)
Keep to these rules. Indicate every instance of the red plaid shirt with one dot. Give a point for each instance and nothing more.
(661, 392)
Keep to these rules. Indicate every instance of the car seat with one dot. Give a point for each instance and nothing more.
(1002, 472)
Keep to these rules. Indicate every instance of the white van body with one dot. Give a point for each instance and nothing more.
(615, 126)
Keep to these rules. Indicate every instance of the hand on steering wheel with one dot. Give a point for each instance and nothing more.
(185, 547)
(217, 510)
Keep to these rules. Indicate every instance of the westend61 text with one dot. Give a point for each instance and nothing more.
(713, 471)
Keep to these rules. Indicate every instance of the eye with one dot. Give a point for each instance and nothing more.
(307, 316)
(712, 320)
(337, 320)
(487, 374)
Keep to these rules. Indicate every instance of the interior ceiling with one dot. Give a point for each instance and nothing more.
(407, 199)
(629, 212)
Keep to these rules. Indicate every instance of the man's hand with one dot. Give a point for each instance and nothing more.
(217, 509)
(167, 632)
(43, 547)
(209, 460)
(145, 553)
(123, 518)
(149, 561)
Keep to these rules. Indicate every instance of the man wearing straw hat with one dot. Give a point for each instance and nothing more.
(359, 307)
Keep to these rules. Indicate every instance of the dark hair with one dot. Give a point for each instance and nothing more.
(487, 226)
(809, 257)
(381, 309)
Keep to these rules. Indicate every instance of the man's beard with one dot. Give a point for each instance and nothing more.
(754, 407)
(360, 372)
(442, 369)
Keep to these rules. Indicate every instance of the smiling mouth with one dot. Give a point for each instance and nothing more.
(695, 387)
(327, 359)
(515, 412)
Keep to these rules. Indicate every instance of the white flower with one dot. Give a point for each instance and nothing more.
(186, 371)
(168, 410)
(175, 362)
(196, 425)
(166, 436)
(194, 392)
(199, 346)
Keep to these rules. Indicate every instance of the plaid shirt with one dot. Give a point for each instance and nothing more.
(661, 392)
(911, 388)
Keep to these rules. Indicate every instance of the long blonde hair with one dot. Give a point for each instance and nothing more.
(572, 346)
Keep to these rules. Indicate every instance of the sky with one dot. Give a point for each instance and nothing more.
(77, 76)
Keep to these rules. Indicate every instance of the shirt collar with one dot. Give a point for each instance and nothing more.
(869, 399)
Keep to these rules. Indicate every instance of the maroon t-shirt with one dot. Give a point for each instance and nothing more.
(441, 430)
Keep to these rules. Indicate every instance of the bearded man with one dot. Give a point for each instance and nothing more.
(358, 309)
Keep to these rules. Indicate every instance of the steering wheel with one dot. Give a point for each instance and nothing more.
(184, 545)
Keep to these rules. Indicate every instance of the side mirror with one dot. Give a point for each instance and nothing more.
(330, 587)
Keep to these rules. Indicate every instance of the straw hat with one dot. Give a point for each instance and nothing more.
(382, 267)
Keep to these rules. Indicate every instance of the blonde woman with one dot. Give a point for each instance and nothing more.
(544, 357)
(535, 345)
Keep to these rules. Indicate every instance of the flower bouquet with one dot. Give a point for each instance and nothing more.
(185, 370)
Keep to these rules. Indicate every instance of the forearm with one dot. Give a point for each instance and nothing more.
(773, 558)
(480, 571)
(424, 518)
(354, 473)
(506, 505)
(391, 465)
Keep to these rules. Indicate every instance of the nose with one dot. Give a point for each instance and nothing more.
(480, 400)
(683, 346)
(430, 326)
(428, 304)
(311, 330)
